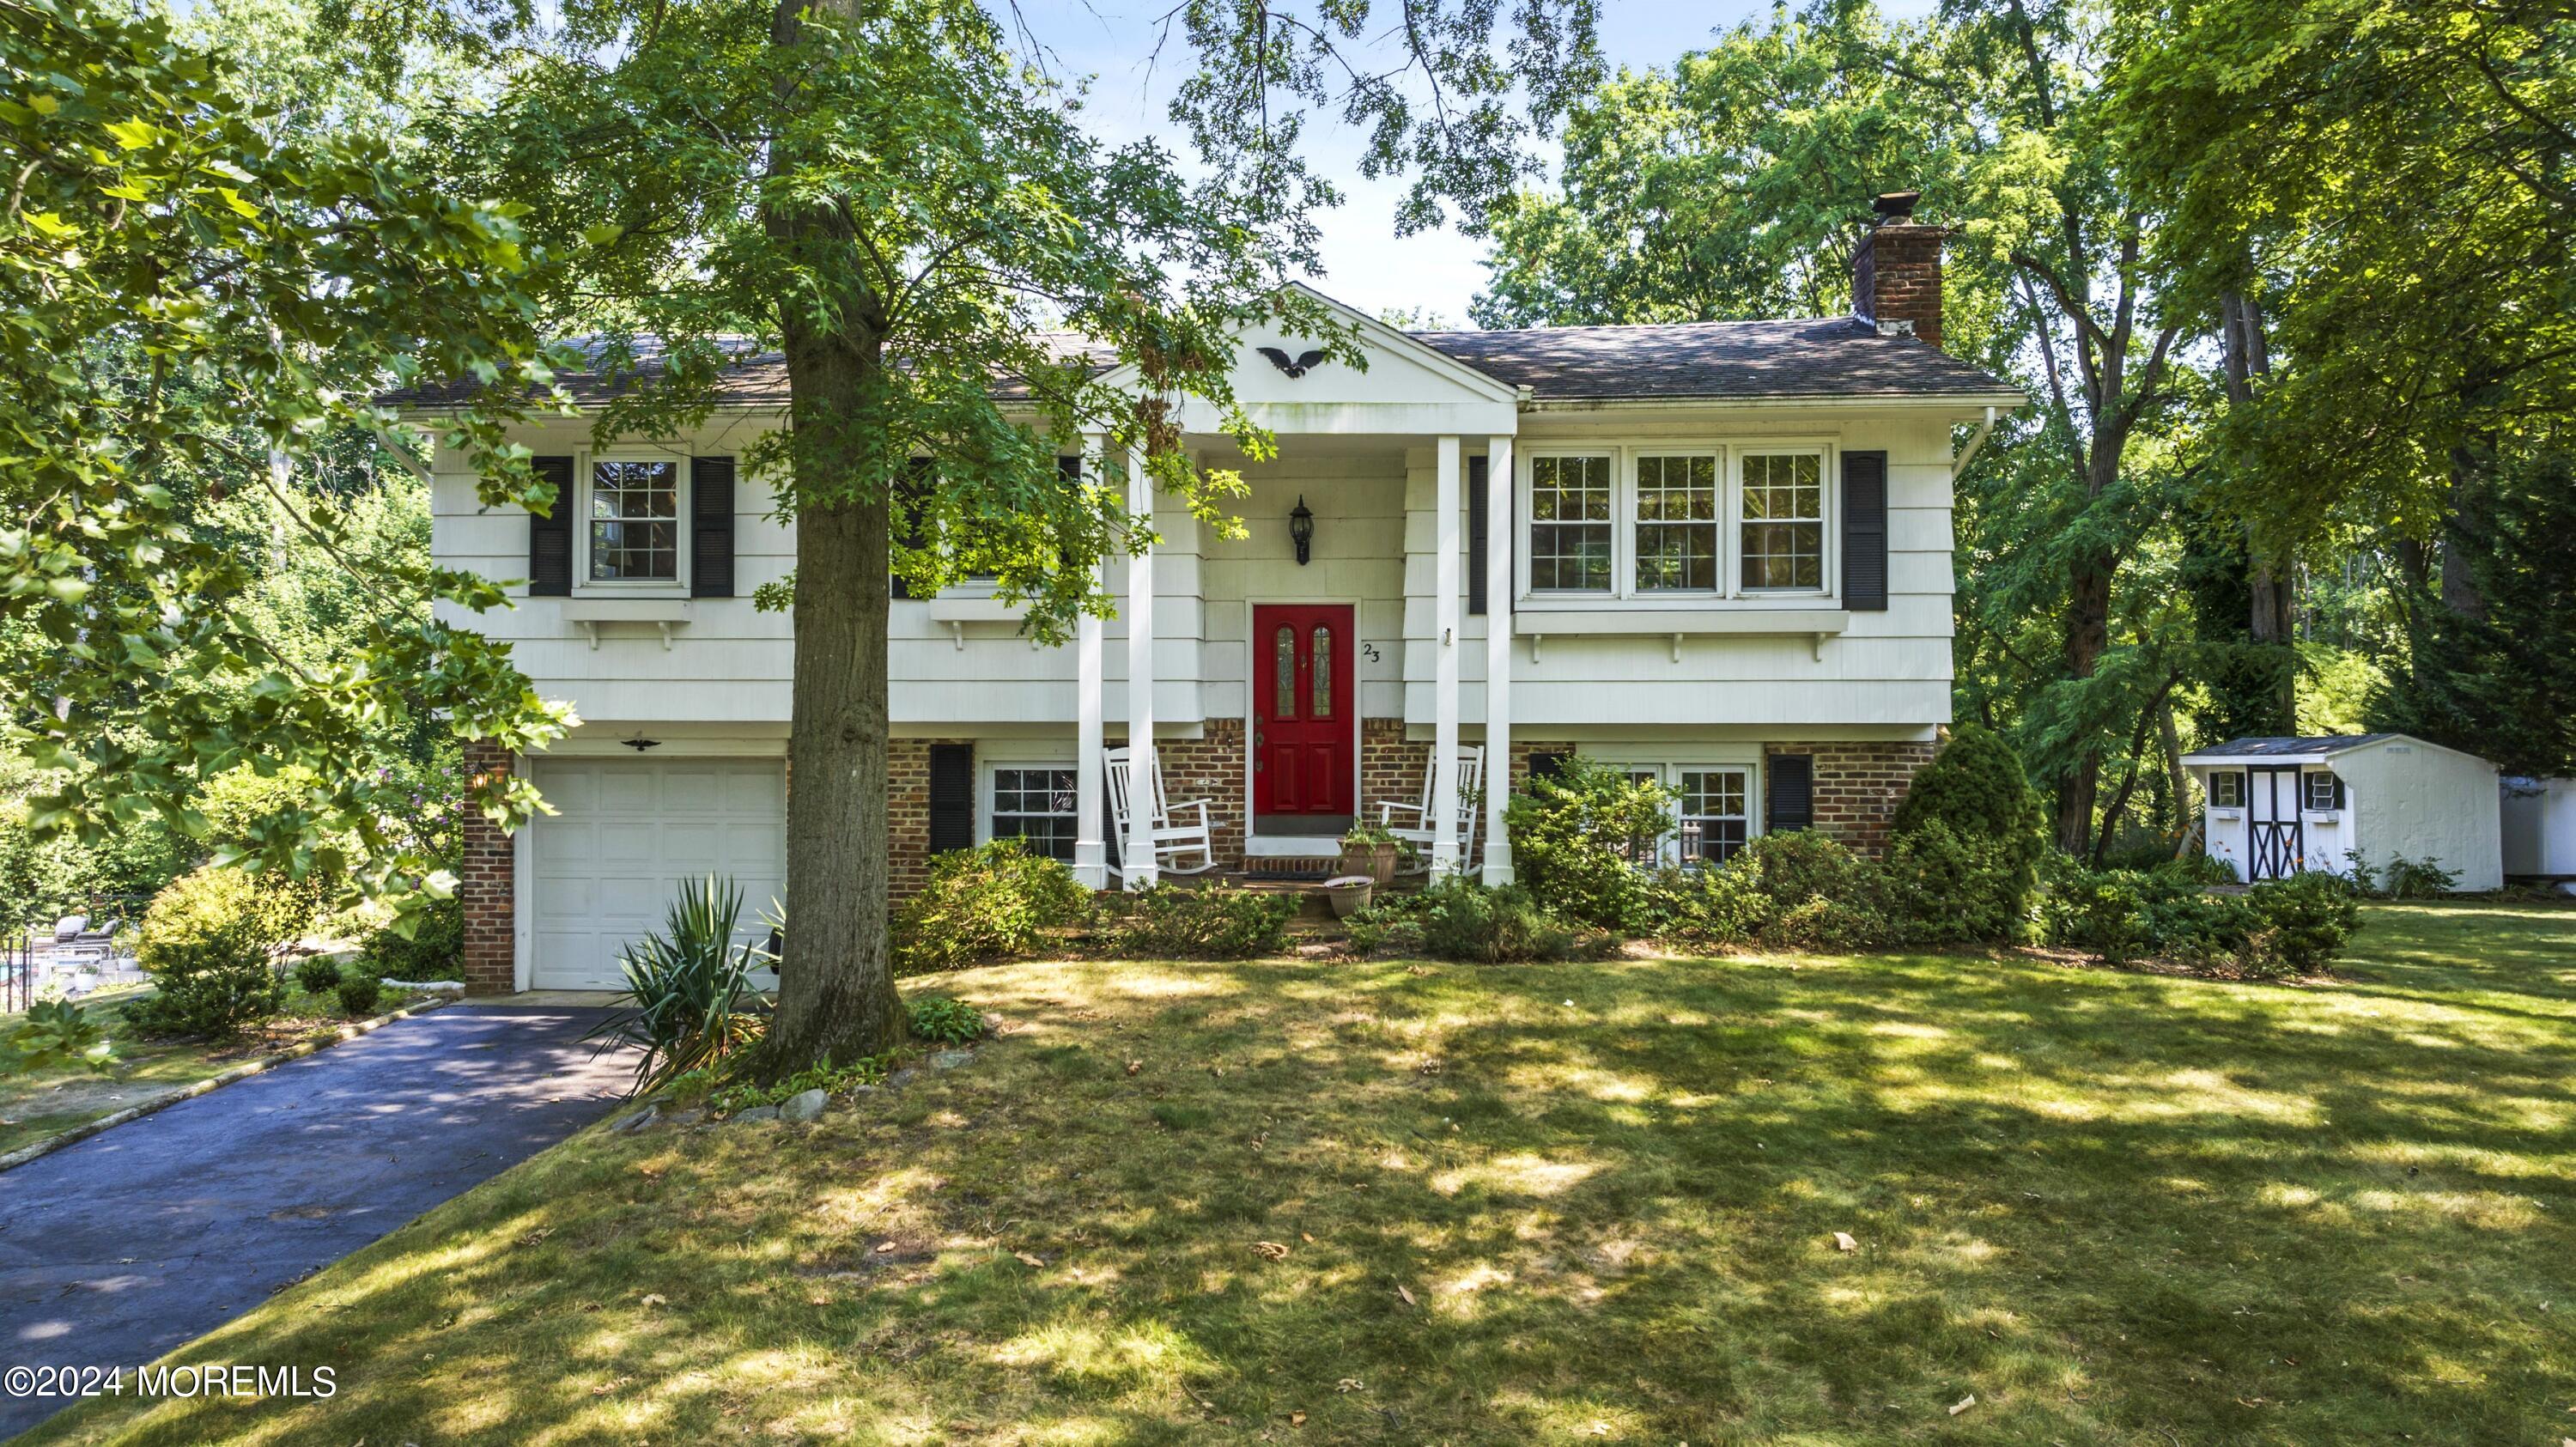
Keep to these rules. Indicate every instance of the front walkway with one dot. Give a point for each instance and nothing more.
(122, 1247)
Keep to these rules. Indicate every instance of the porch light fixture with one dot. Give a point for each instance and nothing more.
(1301, 528)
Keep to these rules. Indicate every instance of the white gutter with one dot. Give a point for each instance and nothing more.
(1960, 467)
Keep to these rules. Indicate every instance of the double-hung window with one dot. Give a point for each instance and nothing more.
(635, 522)
(1571, 535)
(1677, 524)
(1663, 524)
(1712, 806)
(1783, 525)
(1716, 812)
(1034, 803)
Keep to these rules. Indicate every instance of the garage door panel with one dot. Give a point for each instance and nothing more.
(629, 833)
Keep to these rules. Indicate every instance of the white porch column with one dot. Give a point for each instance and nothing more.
(1444, 685)
(1138, 848)
(1498, 659)
(1090, 694)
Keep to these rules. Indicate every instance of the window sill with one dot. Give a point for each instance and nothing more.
(976, 610)
(665, 612)
(1713, 619)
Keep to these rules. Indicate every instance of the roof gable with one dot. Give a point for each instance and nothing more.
(1401, 368)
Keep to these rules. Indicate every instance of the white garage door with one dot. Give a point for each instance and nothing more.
(607, 865)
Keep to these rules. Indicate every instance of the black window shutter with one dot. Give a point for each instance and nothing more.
(1477, 524)
(910, 497)
(1790, 803)
(550, 538)
(711, 527)
(952, 797)
(1547, 766)
(1865, 531)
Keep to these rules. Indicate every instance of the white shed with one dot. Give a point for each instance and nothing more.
(2540, 828)
(2277, 806)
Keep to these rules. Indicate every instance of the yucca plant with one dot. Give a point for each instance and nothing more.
(695, 1006)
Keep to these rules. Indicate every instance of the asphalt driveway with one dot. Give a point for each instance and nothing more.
(148, 1235)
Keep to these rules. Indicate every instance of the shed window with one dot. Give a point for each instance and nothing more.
(2227, 790)
(2325, 792)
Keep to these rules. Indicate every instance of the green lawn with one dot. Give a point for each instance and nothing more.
(49, 1102)
(1578, 1203)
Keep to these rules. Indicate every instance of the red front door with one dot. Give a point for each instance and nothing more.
(1301, 709)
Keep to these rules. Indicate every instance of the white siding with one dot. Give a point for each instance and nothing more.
(2426, 802)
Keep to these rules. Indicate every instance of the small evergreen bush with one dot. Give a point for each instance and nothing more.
(1217, 922)
(435, 951)
(318, 974)
(2101, 912)
(945, 1021)
(1465, 921)
(1393, 923)
(209, 942)
(986, 903)
(359, 993)
(1721, 906)
(2302, 921)
(1947, 888)
(1822, 895)
(1976, 789)
(1578, 840)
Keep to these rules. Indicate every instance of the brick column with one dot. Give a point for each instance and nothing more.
(487, 885)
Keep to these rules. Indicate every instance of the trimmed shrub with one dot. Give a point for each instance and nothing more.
(1976, 789)
(2101, 912)
(1577, 840)
(2300, 923)
(435, 951)
(1217, 922)
(358, 994)
(318, 974)
(985, 903)
(1394, 922)
(945, 1021)
(1465, 921)
(209, 941)
(1822, 895)
(1947, 888)
(1722, 906)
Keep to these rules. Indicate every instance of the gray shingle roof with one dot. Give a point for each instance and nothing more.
(1837, 357)
(1834, 357)
(2289, 748)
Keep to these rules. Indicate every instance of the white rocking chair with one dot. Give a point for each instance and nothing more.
(1471, 778)
(1179, 831)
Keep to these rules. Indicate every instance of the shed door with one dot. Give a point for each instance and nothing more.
(605, 867)
(2277, 839)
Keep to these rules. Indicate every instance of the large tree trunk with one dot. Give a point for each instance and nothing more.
(2088, 636)
(2247, 355)
(836, 998)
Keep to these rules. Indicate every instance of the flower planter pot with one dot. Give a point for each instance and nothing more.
(1376, 861)
(1350, 893)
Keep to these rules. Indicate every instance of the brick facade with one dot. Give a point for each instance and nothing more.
(1210, 768)
(1858, 786)
(487, 885)
(908, 812)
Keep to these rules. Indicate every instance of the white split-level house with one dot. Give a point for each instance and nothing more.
(1717, 553)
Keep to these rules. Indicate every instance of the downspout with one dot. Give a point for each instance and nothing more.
(1975, 441)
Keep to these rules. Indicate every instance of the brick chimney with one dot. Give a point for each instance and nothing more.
(1896, 273)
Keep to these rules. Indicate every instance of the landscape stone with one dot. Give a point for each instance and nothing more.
(804, 1105)
(758, 1112)
(950, 1059)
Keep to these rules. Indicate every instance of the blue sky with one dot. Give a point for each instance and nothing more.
(1367, 265)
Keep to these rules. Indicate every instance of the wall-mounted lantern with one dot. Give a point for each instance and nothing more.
(1301, 528)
